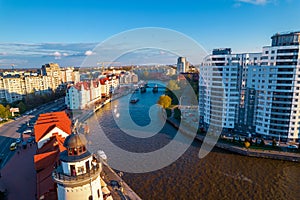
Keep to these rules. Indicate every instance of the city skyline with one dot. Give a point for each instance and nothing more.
(64, 32)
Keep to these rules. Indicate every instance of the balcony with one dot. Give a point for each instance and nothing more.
(73, 181)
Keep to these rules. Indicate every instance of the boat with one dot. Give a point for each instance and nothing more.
(134, 100)
(143, 89)
(102, 155)
(155, 89)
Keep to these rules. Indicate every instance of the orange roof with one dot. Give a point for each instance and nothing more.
(46, 122)
(48, 155)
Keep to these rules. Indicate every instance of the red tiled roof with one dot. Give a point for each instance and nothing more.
(46, 122)
(56, 142)
(48, 155)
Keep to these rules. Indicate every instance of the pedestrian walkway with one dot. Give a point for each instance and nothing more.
(18, 176)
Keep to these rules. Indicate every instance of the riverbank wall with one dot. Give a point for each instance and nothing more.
(287, 156)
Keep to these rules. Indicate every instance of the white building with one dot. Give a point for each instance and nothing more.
(275, 86)
(182, 65)
(84, 94)
(222, 86)
(78, 176)
(255, 93)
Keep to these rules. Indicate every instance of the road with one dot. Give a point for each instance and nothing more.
(14, 129)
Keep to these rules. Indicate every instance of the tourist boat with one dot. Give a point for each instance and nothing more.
(134, 100)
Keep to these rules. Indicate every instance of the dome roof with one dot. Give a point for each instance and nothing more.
(75, 140)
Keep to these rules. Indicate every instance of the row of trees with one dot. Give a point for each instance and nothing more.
(29, 102)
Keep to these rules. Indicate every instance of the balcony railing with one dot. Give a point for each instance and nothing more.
(65, 179)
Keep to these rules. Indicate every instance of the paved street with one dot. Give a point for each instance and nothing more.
(13, 129)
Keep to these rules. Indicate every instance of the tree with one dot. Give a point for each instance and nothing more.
(22, 107)
(247, 144)
(164, 101)
(2, 111)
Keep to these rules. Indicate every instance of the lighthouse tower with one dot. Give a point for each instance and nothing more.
(78, 175)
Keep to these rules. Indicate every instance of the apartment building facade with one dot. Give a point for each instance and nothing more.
(15, 85)
(255, 93)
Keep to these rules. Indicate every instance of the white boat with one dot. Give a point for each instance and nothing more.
(102, 155)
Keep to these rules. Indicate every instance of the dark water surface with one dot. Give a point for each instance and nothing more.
(220, 175)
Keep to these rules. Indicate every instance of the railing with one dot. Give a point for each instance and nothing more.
(60, 177)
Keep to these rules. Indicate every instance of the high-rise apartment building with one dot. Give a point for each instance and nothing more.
(222, 86)
(182, 65)
(275, 85)
(52, 70)
(254, 93)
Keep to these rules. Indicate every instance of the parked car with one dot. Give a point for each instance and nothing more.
(28, 131)
(292, 146)
(13, 146)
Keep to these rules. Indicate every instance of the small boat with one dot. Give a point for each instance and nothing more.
(102, 155)
(143, 89)
(134, 100)
(155, 89)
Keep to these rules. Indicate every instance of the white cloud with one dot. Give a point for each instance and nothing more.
(255, 2)
(57, 54)
(88, 53)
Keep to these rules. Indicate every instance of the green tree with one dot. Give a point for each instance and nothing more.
(164, 101)
(7, 111)
(2, 111)
(21, 106)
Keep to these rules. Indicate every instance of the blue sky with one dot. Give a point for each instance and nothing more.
(34, 32)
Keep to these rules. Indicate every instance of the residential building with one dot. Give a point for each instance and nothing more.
(52, 70)
(182, 65)
(50, 130)
(85, 94)
(275, 86)
(256, 93)
(222, 86)
(15, 85)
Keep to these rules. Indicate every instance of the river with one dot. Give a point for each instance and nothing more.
(220, 175)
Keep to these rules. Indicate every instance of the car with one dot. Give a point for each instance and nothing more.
(13, 146)
(18, 140)
(292, 146)
(28, 131)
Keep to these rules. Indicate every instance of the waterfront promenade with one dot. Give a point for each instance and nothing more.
(260, 153)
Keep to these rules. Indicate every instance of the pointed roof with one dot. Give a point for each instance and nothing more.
(47, 122)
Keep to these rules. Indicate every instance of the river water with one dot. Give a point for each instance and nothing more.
(220, 175)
